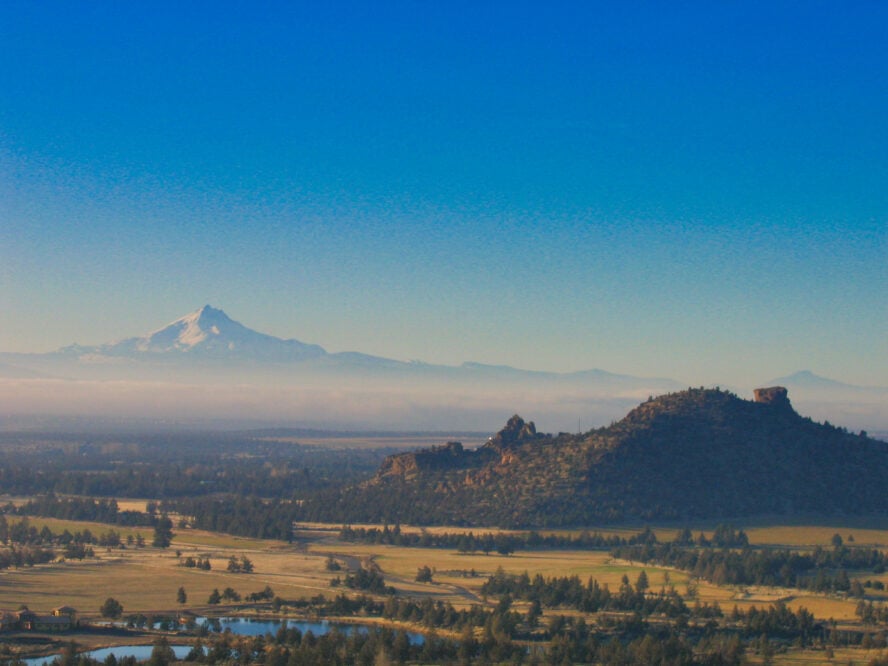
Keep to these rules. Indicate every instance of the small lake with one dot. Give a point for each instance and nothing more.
(243, 626)
(140, 652)
(247, 626)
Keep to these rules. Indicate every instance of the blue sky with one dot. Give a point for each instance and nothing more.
(694, 190)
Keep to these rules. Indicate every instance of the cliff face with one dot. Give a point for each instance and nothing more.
(775, 395)
(693, 454)
(452, 455)
(515, 433)
(438, 458)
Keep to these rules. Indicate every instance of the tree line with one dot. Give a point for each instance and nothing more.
(503, 543)
(25, 545)
(591, 597)
(166, 466)
(80, 508)
(821, 570)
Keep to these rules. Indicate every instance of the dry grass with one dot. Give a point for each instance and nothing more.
(58, 526)
(146, 580)
(332, 529)
(825, 607)
(774, 534)
(199, 538)
(663, 533)
(810, 535)
(458, 577)
(840, 656)
(131, 505)
(141, 581)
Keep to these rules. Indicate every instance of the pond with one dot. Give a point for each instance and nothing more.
(243, 626)
(140, 652)
(246, 626)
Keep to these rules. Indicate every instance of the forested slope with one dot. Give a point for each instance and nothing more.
(700, 453)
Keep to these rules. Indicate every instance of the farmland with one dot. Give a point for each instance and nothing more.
(172, 530)
(146, 580)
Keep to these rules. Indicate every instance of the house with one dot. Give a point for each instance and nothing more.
(25, 619)
(53, 623)
(63, 618)
(66, 611)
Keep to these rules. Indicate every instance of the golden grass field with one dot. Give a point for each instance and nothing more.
(294, 571)
(146, 580)
(809, 535)
(840, 656)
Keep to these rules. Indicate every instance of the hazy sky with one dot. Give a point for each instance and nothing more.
(696, 190)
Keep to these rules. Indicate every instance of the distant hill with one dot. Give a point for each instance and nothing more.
(807, 380)
(205, 367)
(211, 341)
(700, 453)
(827, 399)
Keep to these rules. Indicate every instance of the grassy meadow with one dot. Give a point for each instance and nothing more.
(146, 580)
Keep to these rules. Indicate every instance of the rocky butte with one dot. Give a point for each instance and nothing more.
(775, 395)
(694, 454)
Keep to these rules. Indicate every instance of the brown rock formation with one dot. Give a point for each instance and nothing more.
(448, 456)
(774, 395)
(515, 432)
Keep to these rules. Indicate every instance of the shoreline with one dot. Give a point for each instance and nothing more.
(97, 637)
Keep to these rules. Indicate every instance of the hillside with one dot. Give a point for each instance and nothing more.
(700, 453)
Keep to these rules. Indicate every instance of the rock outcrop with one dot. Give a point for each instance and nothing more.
(516, 432)
(452, 455)
(695, 454)
(774, 395)
(449, 456)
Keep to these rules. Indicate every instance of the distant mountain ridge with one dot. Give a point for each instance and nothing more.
(209, 334)
(254, 376)
(805, 379)
(695, 454)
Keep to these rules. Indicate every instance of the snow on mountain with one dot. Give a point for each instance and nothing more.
(209, 332)
(263, 376)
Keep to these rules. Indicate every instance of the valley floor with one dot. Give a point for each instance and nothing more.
(147, 580)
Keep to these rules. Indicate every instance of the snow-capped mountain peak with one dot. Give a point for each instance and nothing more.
(204, 326)
(209, 332)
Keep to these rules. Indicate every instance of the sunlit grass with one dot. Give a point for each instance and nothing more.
(146, 579)
(57, 526)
